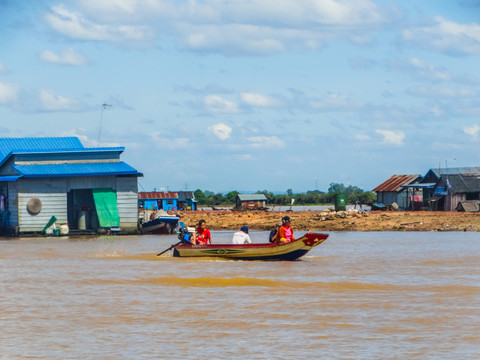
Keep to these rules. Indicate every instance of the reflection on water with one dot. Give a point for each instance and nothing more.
(358, 295)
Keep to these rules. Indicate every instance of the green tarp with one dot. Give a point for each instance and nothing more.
(106, 204)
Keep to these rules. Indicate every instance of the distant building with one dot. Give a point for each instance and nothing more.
(90, 188)
(167, 200)
(250, 201)
(453, 189)
(393, 190)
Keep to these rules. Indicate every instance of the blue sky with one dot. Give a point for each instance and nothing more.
(249, 95)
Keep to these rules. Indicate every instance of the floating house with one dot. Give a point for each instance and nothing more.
(250, 202)
(88, 188)
(394, 190)
(167, 200)
(453, 189)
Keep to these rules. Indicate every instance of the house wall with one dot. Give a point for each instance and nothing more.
(402, 198)
(253, 204)
(452, 200)
(127, 198)
(53, 194)
(386, 197)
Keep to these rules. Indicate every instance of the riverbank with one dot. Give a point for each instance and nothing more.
(340, 221)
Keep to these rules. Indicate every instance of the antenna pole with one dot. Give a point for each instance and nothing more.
(104, 105)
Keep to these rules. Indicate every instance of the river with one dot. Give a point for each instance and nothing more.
(357, 296)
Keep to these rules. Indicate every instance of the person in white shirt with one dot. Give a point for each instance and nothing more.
(242, 237)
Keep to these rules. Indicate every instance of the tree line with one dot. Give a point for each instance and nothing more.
(353, 194)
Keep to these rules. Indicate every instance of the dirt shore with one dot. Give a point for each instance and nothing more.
(337, 221)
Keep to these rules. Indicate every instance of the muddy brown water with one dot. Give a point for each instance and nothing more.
(356, 296)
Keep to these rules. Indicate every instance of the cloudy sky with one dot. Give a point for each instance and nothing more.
(249, 94)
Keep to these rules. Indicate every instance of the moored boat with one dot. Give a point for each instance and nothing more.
(162, 223)
(267, 251)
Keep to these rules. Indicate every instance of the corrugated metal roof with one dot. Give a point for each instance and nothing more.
(185, 195)
(252, 197)
(7, 145)
(157, 195)
(80, 169)
(9, 178)
(395, 182)
(456, 171)
(461, 183)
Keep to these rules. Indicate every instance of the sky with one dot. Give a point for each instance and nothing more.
(249, 95)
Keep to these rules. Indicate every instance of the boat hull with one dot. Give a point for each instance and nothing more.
(161, 225)
(288, 251)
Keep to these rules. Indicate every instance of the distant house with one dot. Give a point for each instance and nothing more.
(90, 188)
(393, 190)
(250, 201)
(167, 200)
(452, 186)
(453, 189)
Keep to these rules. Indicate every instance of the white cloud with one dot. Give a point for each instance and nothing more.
(266, 142)
(428, 71)
(165, 142)
(52, 102)
(76, 26)
(221, 131)
(392, 137)
(67, 57)
(8, 93)
(259, 100)
(217, 104)
(261, 27)
(446, 36)
(472, 131)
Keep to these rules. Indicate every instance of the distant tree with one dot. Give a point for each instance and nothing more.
(353, 190)
(209, 193)
(336, 188)
(200, 196)
(368, 197)
(290, 193)
(282, 199)
(218, 199)
(300, 199)
(231, 196)
(270, 196)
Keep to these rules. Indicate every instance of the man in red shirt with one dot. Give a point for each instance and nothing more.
(203, 234)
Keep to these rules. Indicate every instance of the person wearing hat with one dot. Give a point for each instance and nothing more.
(274, 232)
(285, 232)
(242, 237)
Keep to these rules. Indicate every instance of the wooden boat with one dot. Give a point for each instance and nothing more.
(268, 251)
(162, 224)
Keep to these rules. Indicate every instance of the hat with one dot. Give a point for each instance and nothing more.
(244, 229)
(286, 219)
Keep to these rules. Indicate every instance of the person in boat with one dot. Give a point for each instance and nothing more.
(203, 234)
(186, 236)
(274, 232)
(242, 237)
(285, 232)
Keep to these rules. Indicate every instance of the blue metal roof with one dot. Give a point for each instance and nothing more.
(8, 145)
(79, 169)
(9, 178)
